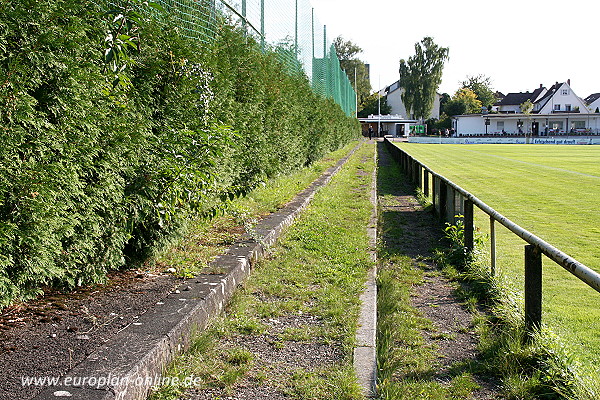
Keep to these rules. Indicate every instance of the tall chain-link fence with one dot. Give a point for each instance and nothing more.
(290, 28)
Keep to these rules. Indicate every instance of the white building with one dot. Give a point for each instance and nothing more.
(393, 94)
(593, 102)
(556, 111)
(395, 125)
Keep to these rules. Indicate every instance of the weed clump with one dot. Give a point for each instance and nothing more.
(542, 368)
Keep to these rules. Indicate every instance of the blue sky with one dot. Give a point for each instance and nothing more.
(518, 44)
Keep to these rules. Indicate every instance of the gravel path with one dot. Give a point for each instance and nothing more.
(453, 337)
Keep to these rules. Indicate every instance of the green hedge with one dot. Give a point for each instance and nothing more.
(94, 177)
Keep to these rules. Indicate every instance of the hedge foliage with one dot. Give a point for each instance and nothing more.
(93, 175)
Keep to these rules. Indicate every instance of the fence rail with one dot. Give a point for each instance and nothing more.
(449, 200)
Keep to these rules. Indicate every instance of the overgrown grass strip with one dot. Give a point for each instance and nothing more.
(407, 363)
(202, 239)
(303, 299)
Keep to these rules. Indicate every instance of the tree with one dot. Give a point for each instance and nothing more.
(445, 98)
(347, 54)
(526, 109)
(421, 76)
(455, 107)
(481, 85)
(371, 105)
(464, 102)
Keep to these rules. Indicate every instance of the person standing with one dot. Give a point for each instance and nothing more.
(370, 133)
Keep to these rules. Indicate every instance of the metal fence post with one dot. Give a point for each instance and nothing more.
(244, 19)
(417, 170)
(468, 225)
(296, 31)
(262, 26)
(533, 290)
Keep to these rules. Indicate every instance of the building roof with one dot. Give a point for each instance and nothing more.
(516, 99)
(553, 89)
(592, 98)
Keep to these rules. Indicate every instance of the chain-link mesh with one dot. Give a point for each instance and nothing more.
(289, 28)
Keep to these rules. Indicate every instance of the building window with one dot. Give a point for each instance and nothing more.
(557, 107)
(567, 107)
(499, 126)
(556, 126)
(579, 124)
(564, 92)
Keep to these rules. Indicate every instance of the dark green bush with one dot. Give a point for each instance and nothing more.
(94, 176)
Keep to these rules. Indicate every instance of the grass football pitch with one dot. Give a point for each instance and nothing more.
(552, 191)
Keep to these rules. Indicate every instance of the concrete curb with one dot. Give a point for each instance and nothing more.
(365, 352)
(127, 366)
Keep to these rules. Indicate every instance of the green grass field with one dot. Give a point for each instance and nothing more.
(552, 191)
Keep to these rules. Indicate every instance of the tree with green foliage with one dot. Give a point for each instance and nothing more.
(347, 54)
(421, 76)
(464, 101)
(444, 98)
(526, 108)
(373, 104)
(481, 85)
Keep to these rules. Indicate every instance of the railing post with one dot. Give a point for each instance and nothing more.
(425, 182)
(435, 190)
(533, 290)
(443, 199)
(418, 174)
(493, 246)
(468, 225)
(450, 204)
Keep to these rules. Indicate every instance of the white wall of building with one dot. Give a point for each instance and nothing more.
(510, 109)
(394, 100)
(595, 104)
(470, 124)
(548, 125)
(564, 100)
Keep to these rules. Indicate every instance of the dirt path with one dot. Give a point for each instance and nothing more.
(453, 336)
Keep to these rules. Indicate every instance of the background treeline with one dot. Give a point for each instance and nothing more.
(96, 173)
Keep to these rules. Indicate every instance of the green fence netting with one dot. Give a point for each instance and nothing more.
(289, 28)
